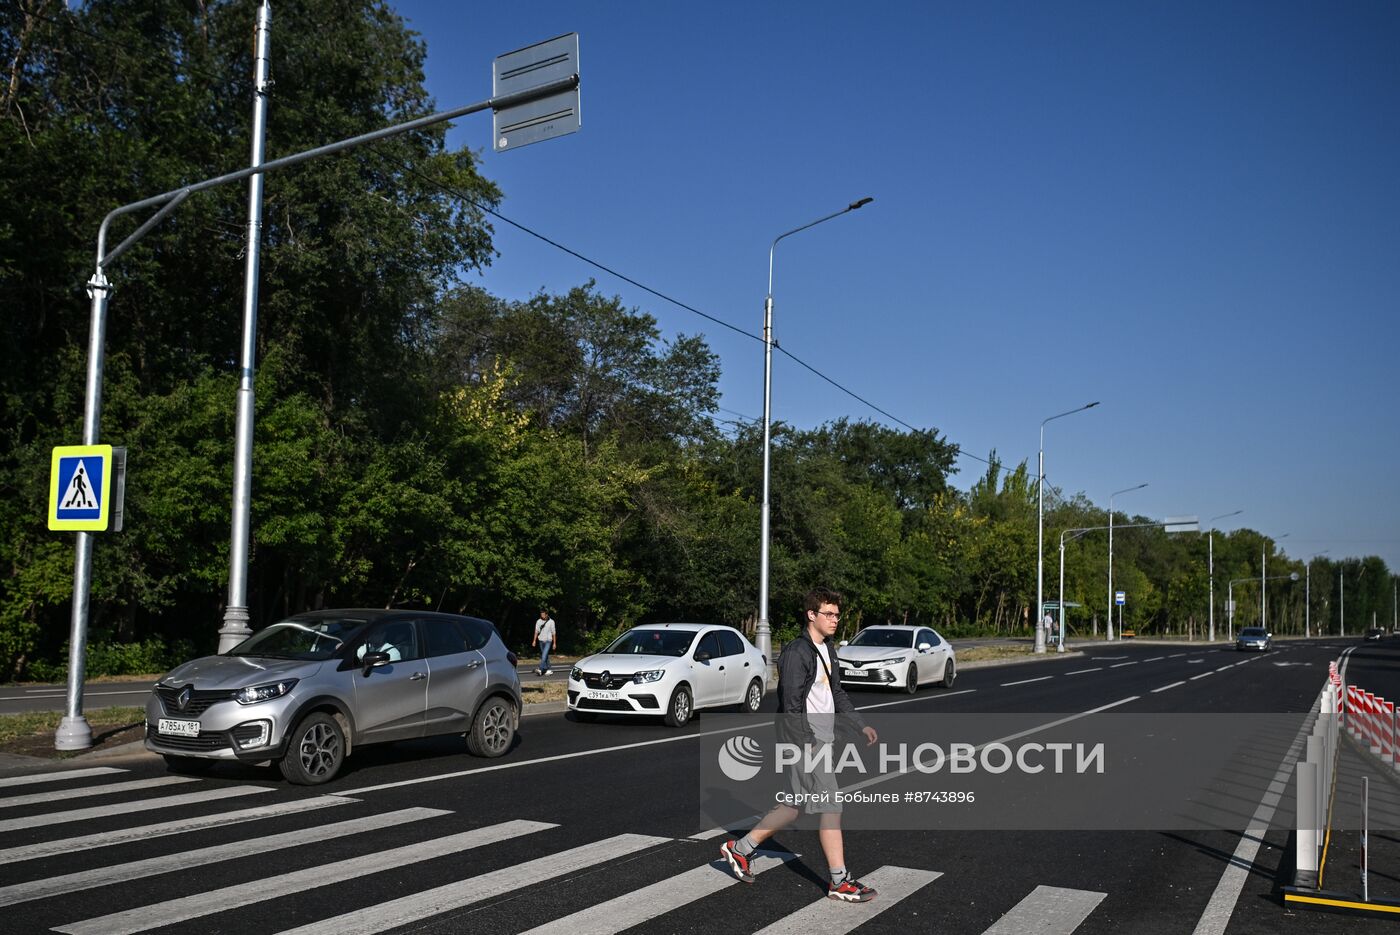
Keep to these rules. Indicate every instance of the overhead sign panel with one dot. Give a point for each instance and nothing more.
(543, 118)
(1182, 523)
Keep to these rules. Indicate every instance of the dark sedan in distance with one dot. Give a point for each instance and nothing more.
(1254, 638)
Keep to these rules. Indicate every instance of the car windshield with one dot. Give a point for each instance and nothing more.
(653, 642)
(320, 638)
(884, 637)
(1252, 633)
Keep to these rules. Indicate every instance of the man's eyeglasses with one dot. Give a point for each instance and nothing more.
(835, 615)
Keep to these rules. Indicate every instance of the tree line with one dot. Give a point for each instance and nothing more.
(421, 442)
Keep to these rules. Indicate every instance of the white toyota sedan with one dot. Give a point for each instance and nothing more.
(897, 656)
(669, 669)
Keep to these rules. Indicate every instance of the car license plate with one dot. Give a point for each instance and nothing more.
(853, 673)
(177, 728)
(594, 694)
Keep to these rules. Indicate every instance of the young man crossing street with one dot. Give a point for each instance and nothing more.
(809, 699)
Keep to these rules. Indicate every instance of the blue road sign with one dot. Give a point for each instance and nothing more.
(80, 487)
(1120, 598)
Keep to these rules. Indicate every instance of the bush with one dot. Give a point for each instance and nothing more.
(600, 640)
(144, 658)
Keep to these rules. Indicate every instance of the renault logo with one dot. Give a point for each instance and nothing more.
(605, 680)
(182, 700)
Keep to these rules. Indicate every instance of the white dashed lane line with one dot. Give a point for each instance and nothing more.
(1082, 671)
(1165, 687)
(1122, 664)
(1026, 681)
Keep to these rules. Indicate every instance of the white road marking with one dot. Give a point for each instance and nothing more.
(895, 774)
(191, 860)
(1026, 681)
(196, 905)
(12, 855)
(123, 808)
(1048, 910)
(32, 778)
(1082, 671)
(440, 899)
(1155, 659)
(828, 917)
(1122, 664)
(645, 904)
(1201, 676)
(1165, 687)
(114, 788)
(623, 746)
(890, 704)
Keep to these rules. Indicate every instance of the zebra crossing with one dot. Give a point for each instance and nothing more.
(440, 873)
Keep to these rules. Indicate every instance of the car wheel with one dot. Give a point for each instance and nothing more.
(681, 708)
(186, 764)
(493, 730)
(911, 679)
(315, 752)
(950, 672)
(753, 697)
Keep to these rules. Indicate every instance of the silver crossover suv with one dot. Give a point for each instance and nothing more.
(308, 690)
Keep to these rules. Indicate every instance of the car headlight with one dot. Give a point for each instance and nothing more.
(650, 675)
(576, 674)
(890, 662)
(255, 693)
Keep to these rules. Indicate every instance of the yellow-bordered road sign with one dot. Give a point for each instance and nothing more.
(80, 488)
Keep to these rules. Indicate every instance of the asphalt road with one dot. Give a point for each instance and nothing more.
(598, 828)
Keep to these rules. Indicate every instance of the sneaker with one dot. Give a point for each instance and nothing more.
(548, 671)
(737, 862)
(851, 891)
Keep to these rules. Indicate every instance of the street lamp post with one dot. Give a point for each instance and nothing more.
(1110, 553)
(1211, 535)
(1230, 596)
(763, 632)
(1307, 597)
(1264, 570)
(1040, 527)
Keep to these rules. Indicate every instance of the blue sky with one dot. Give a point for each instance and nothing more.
(1189, 211)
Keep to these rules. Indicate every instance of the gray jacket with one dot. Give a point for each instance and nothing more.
(797, 670)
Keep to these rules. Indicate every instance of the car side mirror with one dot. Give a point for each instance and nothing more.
(925, 647)
(844, 643)
(374, 660)
(701, 656)
(1270, 635)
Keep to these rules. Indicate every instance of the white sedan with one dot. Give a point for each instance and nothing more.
(897, 656)
(669, 669)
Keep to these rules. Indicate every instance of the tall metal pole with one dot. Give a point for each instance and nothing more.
(1342, 611)
(1110, 561)
(236, 617)
(1212, 569)
(73, 731)
(763, 631)
(1307, 604)
(1230, 609)
(1040, 527)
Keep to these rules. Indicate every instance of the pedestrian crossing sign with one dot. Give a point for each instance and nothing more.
(80, 488)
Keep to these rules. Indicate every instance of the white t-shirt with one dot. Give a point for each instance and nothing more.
(821, 705)
(544, 630)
